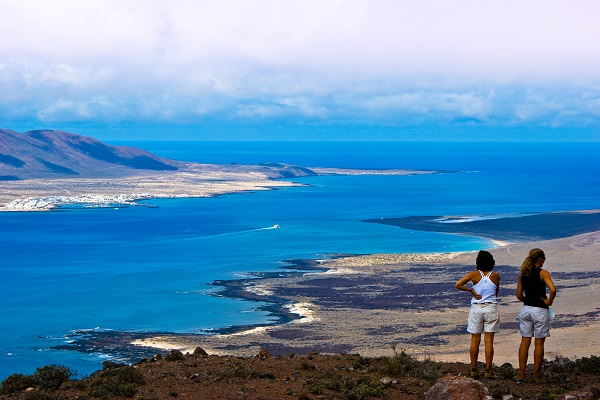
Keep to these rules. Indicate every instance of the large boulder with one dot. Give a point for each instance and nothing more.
(457, 388)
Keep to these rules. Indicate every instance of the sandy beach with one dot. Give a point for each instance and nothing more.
(371, 304)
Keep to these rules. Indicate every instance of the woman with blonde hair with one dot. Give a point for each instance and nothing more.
(534, 318)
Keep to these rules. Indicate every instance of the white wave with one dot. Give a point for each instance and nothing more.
(472, 218)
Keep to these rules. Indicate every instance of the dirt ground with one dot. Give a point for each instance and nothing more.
(312, 376)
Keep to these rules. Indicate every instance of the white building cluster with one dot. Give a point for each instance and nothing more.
(83, 201)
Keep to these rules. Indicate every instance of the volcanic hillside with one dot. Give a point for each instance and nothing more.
(55, 154)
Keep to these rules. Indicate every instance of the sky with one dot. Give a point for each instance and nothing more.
(524, 70)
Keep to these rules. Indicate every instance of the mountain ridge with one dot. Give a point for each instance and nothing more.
(56, 154)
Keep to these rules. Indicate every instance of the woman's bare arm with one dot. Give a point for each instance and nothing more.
(545, 276)
(460, 285)
(519, 292)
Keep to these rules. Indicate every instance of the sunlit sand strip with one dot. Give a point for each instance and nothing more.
(341, 271)
(499, 243)
(307, 312)
(259, 290)
(165, 343)
(253, 331)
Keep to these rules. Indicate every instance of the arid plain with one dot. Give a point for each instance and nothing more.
(371, 304)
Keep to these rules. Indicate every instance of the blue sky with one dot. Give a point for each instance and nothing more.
(302, 69)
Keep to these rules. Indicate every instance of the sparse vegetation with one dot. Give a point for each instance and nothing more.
(16, 383)
(344, 385)
(402, 364)
(348, 376)
(589, 365)
(240, 370)
(38, 395)
(52, 376)
(122, 381)
(47, 377)
(549, 393)
(365, 388)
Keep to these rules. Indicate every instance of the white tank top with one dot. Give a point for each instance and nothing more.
(486, 288)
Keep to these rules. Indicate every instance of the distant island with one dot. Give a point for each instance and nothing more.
(44, 169)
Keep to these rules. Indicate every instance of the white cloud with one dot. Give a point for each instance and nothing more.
(461, 105)
(510, 38)
(385, 60)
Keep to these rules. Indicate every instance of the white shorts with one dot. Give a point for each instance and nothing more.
(534, 321)
(483, 318)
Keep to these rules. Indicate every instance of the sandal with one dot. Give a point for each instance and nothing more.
(490, 374)
(520, 376)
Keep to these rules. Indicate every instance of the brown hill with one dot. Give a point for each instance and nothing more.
(54, 154)
(51, 154)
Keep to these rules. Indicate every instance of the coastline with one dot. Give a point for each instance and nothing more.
(196, 180)
(370, 304)
(45, 195)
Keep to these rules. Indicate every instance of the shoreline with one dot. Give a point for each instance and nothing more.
(197, 180)
(369, 304)
(48, 195)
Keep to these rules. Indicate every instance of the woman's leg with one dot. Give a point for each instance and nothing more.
(524, 353)
(475, 340)
(489, 348)
(538, 355)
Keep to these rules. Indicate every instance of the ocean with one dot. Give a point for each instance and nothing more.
(143, 269)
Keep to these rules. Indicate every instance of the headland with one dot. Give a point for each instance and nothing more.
(191, 180)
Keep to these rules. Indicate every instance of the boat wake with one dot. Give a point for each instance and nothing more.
(257, 229)
(190, 231)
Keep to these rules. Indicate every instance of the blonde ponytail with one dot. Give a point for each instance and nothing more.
(531, 260)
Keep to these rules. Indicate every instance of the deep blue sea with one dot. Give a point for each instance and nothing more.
(149, 269)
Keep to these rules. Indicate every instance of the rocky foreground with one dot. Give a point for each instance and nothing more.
(311, 376)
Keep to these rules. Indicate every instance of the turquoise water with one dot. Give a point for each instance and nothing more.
(149, 269)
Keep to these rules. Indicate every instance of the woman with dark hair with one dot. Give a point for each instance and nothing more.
(534, 318)
(483, 314)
